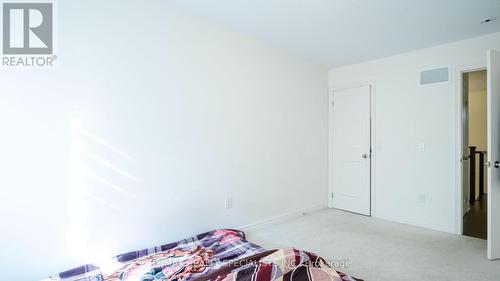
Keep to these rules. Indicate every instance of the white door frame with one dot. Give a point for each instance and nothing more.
(370, 84)
(458, 117)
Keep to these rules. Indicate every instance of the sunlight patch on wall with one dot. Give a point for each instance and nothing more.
(90, 172)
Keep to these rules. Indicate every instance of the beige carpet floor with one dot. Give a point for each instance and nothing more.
(374, 249)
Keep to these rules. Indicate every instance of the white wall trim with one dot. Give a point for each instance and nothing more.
(427, 224)
(459, 70)
(330, 149)
(371, 84)
(281, 218)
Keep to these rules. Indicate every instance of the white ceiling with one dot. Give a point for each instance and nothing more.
(341, 32)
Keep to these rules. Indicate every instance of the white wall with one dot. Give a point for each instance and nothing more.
(408, 114)
(204, 112)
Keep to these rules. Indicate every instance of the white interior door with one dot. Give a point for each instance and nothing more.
(351, 150)
(494, 154)
(465, 144)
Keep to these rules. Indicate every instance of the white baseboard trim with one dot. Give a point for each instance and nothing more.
(427, 224)
(282, 218)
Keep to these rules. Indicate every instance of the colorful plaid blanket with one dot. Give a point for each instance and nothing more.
(220, 255)
(280, 265)
(182, 260)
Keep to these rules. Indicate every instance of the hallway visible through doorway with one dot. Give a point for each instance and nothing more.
(475, 153)
(475, 223)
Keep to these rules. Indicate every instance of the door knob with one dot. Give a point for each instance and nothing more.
(497, 164)
(366, 156)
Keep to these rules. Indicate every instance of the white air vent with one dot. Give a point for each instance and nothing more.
(434, 76)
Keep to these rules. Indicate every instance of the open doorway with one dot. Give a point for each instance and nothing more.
(475, 145)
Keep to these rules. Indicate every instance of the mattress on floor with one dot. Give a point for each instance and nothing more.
(219, 255)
